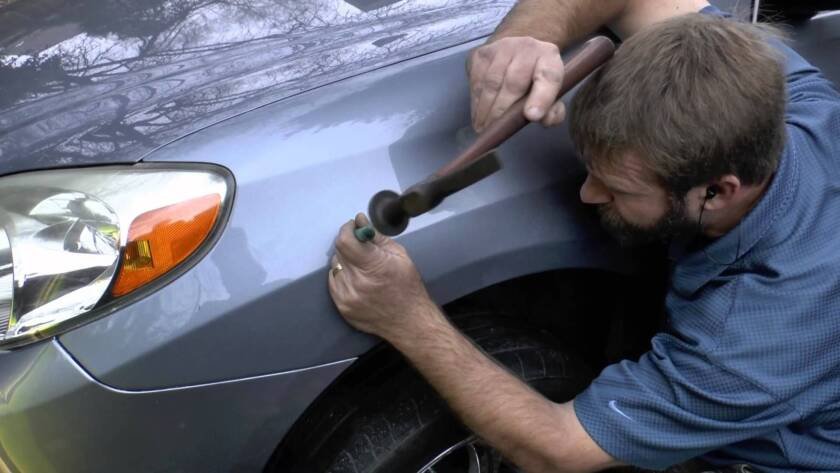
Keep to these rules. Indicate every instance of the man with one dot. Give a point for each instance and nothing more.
(686, 134)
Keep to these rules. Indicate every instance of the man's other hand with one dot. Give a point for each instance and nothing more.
(378, 290)
(503, 71)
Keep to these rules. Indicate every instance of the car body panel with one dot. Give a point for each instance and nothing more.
(55, 418)
(347, 140)
(107, 81)
(258, 303)
(209, 372)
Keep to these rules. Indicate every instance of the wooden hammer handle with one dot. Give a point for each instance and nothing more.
(593, 53)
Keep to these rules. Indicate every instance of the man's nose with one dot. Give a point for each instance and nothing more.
(592, 192)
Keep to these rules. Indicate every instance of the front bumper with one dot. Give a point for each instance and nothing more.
(55, 417)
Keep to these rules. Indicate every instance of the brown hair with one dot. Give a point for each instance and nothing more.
(695, 97)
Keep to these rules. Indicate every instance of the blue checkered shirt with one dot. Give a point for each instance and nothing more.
(749, 370)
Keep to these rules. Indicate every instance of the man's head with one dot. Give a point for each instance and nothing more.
(689, 114)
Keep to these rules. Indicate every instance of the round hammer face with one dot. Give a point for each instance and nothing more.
(386, 213)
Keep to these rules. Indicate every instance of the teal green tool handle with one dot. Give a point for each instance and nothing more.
(365, 233)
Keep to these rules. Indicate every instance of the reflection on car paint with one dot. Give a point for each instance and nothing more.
(98, 81)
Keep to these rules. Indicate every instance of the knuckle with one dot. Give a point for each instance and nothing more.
(399, 250)
(475, 88)
(497, 111)
(525, 41)
(341, 243)
(492, 82)
(548, 74)
(549, 48)
(539, 45)
(518, 82)
(472, 56)
(554, 118)
(484, 53)
(351, 299)
(344, 308)
(473, 61)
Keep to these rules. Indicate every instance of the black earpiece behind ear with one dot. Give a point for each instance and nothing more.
(711, 192)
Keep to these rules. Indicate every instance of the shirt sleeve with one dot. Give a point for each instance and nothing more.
(806, 85)
(681, 400)
(813, 106)
(674, 404)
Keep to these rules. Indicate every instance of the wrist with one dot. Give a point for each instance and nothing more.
(536, 27)
(422, 321)
(515, 33)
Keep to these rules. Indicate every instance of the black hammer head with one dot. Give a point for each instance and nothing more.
(386, 213)
(390, 212)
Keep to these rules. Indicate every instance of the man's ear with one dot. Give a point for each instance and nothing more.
(721, 192)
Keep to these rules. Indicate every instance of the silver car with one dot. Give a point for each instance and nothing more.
(173, 175)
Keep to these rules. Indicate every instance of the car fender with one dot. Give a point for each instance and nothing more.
(258, 302)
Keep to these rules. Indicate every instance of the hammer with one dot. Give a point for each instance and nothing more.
(390, 212)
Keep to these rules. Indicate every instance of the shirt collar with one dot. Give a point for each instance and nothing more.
(713, 10)
(693, 269)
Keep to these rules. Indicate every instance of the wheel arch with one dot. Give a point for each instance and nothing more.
(587, 327)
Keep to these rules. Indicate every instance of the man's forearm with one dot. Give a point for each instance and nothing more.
(530, 430)
(563, 22)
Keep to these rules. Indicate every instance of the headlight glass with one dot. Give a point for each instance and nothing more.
(75, 240)
(6, 281)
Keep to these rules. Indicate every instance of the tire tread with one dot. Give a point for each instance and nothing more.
(394, 412)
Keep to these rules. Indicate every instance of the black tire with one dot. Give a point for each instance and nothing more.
(398, 423)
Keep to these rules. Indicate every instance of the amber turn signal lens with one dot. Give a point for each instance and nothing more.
(160, 239)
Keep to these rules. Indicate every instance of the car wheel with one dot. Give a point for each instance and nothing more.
(399, 424)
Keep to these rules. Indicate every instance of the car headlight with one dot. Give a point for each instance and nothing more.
(75, 242)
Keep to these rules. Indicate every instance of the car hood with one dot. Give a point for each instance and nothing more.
(107, 81)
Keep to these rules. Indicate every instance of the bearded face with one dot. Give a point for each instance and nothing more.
(674, 223)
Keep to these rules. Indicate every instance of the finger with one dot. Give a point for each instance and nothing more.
(351, 251)
(339, 282)
(516, 83)
(339, 291)
(491, 84)
(556, 114)
(331, 271)
(477, 63)
(333, 274)
(362, 220)
(547, 80)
